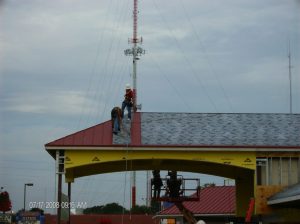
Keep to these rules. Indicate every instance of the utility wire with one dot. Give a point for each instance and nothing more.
(215, 74)
(117, 55)
(93, 69)
(170, 83)
(100, 48)
(189, 65)
(105, 84)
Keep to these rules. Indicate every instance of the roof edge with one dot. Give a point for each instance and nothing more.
(283, 200)
(160, 147)
(195, 214)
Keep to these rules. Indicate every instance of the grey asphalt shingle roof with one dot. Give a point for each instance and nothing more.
(219, 129)
(123, 137)
(289, 196)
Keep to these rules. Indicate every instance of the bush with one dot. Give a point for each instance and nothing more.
(5, 203)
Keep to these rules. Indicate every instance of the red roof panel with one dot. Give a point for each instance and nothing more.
(136, 137)
(98, 135)
(213, 200)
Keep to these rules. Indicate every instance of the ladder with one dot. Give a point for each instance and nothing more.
(187, 214)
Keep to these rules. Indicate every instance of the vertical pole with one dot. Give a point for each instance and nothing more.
(24, 197)
(133, 199)
(280, 171)
(298, 169)
(59, 170)
(59, 191)
(135, 11)
(148, 187)
(271, 171)
(245, 185)
(135, 51)
(133, 189)
(135, 40)
(267, 172)
(290, 79)
(69, 202)
(134, 83)
(290, 172)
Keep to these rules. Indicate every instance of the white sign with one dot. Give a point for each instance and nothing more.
(5, 218)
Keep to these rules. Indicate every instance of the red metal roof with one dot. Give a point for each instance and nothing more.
(213, 200)
(98, 135)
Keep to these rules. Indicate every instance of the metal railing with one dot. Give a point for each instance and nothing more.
(188, 190)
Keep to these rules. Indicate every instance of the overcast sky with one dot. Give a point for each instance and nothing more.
(62, 69)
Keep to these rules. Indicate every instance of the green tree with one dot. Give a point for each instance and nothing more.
(93, 210)
(41, 211)
(141, 209)
(209, 185)
(111, 208)
(155, 206)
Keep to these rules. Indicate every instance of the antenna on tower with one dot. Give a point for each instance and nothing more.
(135, 52)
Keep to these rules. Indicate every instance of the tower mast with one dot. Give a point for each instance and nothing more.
(135, 51)
(134, 41)
(290, 78)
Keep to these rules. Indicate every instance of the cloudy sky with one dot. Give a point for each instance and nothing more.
(62, 69)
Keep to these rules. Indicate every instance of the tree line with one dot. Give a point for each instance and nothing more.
(115, 208)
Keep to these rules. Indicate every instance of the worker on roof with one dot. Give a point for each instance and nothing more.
(116, 119)
(127, 101)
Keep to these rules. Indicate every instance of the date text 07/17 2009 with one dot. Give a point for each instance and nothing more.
(55, 204)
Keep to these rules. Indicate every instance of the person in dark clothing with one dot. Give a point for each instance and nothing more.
(116, 119)
(156, 183)
(173, 185)
(127, 101)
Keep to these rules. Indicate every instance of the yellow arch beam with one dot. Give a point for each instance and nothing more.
(80, 163)
(235, 165)
(78, 158)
